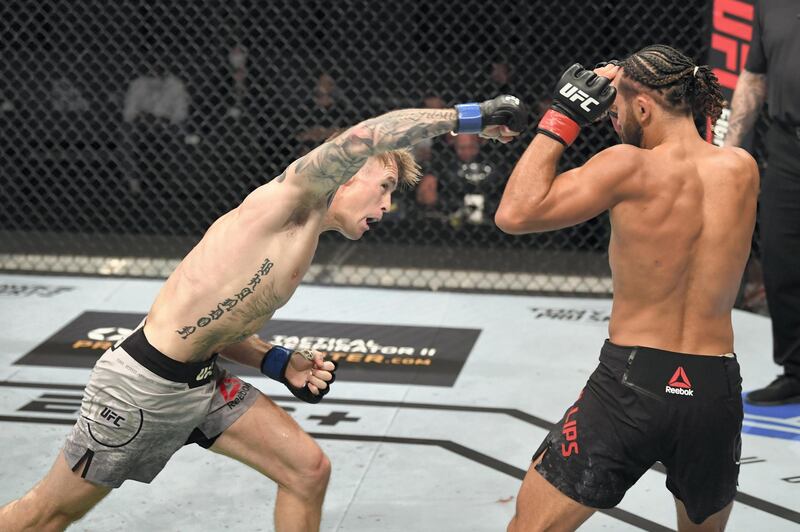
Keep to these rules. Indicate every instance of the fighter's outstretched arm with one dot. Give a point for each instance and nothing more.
(334, 162)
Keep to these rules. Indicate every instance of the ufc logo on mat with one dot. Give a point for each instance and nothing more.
(574, 93)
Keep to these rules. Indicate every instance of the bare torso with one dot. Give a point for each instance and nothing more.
(248, 264)
(251, 260)
(678, 250)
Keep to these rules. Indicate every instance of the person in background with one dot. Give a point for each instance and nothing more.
(771, 75)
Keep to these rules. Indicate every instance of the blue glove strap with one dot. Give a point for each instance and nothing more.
(274, 363)
(469, 118)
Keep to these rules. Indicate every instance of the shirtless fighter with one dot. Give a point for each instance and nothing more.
(160, 388)
(682, 214)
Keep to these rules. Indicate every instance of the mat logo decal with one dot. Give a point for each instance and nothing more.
(365, 352)
(29, 290)
(108, 334)
(573, 315)
(772, 421)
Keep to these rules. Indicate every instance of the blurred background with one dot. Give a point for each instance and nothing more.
(127, 127)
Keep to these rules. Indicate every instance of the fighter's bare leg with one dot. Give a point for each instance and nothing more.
(540, 506)
(59, 499)
(714, 523)
(267, 439)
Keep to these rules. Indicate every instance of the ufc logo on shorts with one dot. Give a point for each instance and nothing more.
(204, 373)
(112, 416)
(574, 94)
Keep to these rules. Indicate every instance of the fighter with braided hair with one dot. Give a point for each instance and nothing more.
(683, 85)
(682, 211)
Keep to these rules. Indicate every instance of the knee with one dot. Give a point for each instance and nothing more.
(319, 468)
(309, 479)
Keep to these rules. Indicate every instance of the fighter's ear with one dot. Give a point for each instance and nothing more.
(643, 107)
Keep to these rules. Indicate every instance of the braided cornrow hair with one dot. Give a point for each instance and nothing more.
(684, 86)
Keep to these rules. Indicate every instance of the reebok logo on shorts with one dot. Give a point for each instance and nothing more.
(679, 384)
(234, 394)
(229, 387)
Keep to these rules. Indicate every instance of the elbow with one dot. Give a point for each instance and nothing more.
(522, 221)
(358, 140)
(509, 221)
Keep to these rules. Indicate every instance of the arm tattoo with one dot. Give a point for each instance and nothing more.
(401, 129)
(336, 161)
(748, 98)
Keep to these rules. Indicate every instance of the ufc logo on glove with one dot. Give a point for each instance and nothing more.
(573, 93)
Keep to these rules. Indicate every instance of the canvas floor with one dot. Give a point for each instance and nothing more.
(440, 401)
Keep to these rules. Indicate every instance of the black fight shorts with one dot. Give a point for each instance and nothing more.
(642, 406)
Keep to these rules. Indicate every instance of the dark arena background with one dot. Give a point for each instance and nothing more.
(128, 127)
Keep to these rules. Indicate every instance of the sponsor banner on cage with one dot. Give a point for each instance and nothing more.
(365, 352)
(729, 42)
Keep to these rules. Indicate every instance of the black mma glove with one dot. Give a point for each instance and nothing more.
(505, 110)
(274, 365)
(304, 393)
(581, 97)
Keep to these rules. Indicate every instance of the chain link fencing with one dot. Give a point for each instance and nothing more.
(128, 127)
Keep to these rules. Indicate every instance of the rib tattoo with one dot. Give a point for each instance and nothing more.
(228, 303)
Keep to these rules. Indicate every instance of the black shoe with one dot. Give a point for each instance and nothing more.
(782, 391)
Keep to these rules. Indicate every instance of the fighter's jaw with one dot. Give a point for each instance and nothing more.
(616, 126)
(352, 229)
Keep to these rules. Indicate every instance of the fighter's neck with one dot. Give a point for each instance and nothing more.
(330, 222)
(675, 131)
